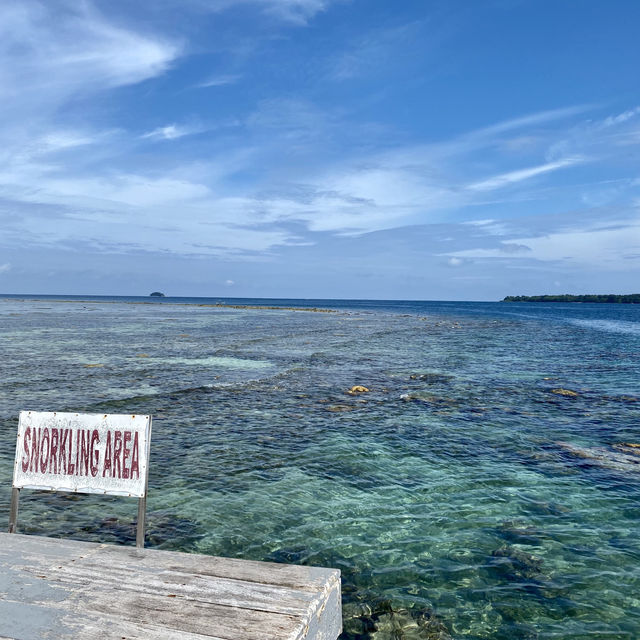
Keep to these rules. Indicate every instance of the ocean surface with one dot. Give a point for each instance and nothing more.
(484, 487)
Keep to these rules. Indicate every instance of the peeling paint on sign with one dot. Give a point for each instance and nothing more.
(85, 453)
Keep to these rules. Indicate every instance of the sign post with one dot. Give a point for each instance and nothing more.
(83, 453)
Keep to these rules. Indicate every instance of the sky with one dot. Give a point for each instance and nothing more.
(382, 149)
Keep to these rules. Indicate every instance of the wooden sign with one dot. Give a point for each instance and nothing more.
(85, 453)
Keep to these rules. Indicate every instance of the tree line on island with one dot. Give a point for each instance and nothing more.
(632, 298)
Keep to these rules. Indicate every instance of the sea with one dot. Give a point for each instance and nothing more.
(485, 486)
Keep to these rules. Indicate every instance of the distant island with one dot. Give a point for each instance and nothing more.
(632, 298)
(156, 294)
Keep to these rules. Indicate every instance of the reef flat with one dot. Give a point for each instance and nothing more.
(471, 468)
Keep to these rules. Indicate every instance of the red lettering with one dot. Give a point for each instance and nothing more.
(70, 466)
(117, 450)
(95, 453)
(25, 444)
(107, 456)
(77, 466)
(125, 454)
(84, 452)
(44, 455)
(62, 451)
(35, 450)
(135, 457)
(53, 458)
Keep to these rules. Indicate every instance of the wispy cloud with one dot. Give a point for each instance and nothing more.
(66, 139)
(171, 132)
(297, 12)
(49, 52)
(533, 119)
(511, 177)
(5, 267)
(357, 194)
(598, 137)
(219, 81)
(621, 117)
(284, 174)
(377, 50)
(607, 246)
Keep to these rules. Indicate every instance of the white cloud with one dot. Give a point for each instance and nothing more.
(511, 177)
(218, 81)
(294, 11)
(170, 132)
(58, 140)
(532, 119)
(603, 247)
(621, 117)
(51, 51)
(197, 205)
(115, 192)
(599, 138)
(5, 267)
(614, 246)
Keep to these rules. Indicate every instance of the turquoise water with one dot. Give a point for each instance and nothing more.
(463, 496)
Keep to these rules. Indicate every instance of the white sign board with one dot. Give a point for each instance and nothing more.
(87, 453)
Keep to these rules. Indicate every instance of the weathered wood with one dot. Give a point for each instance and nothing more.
(13, 512)
(142, 510)
(68, 589)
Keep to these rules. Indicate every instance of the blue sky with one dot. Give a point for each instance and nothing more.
(454, 150)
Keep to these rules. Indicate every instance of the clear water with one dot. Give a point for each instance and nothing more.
(462, 497)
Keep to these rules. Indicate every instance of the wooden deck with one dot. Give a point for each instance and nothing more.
(52, 588)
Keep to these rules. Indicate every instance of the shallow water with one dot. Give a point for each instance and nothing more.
(463, 497)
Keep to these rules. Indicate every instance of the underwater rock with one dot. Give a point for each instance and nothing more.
(289, 556)
(405, 624)
(357, 388)
(379, 619)
(142, 355)
(431, 378)
(623, 399)
(607, 458)
(337, 408)
(520, 533)
(628, 448)
(546, 508)
(430, 399)
(517, 562)
(565, 392)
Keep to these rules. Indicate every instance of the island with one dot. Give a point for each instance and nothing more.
(631, 298)
(156, 294)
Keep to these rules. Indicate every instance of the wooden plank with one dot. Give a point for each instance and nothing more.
(67, 589)
(294, 576)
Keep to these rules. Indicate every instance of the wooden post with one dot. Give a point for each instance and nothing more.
(142, 502)
(142, 509)
(13, 513)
